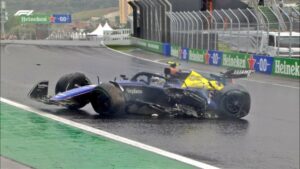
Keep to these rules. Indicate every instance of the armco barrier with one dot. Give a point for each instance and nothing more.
(289, 67)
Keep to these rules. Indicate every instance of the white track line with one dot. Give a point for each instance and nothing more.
(157, 62)
(112, 136)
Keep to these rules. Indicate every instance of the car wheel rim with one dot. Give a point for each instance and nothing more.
(104, 102)
(233, 104)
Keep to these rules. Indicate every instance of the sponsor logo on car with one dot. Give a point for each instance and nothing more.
(243, 72)
(134, 91)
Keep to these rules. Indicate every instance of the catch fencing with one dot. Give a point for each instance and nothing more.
(243, 30)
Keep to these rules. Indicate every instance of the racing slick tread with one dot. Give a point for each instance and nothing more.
(71, 81)
(240, 95)
(108, 100)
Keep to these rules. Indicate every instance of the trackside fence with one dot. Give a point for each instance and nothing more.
(117, 37)
(289, 67)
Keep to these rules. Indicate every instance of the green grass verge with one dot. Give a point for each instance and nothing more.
(123, 48)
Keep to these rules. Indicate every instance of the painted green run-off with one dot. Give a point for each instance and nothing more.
(45, 144)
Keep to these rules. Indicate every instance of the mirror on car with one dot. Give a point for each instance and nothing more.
(124, 77)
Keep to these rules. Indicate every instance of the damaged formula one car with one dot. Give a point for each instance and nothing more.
(187, 94)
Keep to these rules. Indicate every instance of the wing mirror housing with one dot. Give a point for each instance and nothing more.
(124, 77)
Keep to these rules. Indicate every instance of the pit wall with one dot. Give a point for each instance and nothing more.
(289, 67)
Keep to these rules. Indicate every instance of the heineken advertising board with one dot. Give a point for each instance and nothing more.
(287, 67)
(263, 64)
(155, 46)
(35, 19)
(140, 43)
(215, 57)
(175, 51)
(197, 55)
(235, 60)
(184, 54)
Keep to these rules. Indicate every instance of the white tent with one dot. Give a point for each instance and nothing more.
(106, 27)
(97, 32)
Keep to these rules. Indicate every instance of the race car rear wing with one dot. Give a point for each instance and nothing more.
(231, 74)
(235, 74)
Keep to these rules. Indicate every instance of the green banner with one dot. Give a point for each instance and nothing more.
(197, 55)
(235, 60)
(175, 51)
(35, 19)
(149, 45)
(140, 43)
(155, 46)
(286, 66)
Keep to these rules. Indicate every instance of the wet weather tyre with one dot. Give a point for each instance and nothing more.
(108, 100)
(71, 81)
(234, 102)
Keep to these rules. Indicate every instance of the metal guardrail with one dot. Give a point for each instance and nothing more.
(62, 35)
(117, 37)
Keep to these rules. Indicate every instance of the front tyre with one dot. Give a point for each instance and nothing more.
(71, 81)
(234, 102)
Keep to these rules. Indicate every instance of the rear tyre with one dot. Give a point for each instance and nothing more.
(234, 102)
(71, 81)
(108, 100)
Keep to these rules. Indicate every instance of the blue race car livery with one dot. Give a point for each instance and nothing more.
(187, 94)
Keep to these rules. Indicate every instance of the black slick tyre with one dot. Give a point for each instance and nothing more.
(234, 102)
(71, 81)
(108, 100)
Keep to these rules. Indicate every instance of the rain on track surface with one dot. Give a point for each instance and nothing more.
(267, 138)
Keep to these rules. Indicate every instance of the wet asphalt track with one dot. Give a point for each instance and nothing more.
(267, 138)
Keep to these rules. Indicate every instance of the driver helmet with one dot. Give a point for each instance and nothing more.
(155, 79)
(173, 65)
